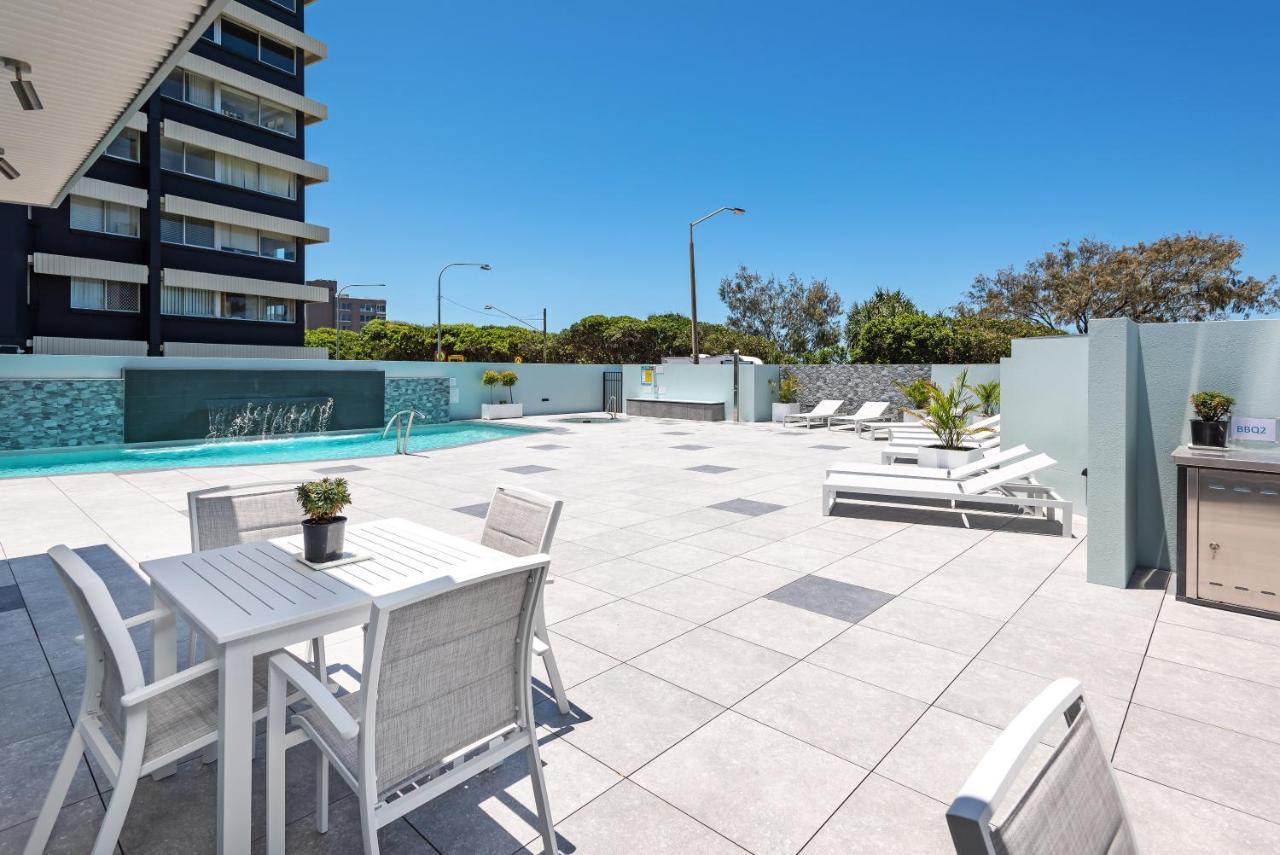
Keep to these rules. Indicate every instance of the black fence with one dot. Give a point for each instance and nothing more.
(612, 392)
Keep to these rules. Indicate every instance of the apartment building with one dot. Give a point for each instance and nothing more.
(346, 311)
(188, 234)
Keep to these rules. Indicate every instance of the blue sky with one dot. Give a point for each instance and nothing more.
(905, 145)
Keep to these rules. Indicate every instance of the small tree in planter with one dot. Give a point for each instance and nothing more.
(988, 395)
(1212, 411)
(502, 409)
(509, 379)
(787, 388)
(917, 394)
(323, 531)
(489, 379)
(947, 414)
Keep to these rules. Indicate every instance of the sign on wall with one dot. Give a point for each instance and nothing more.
(646, 375)
(1253, 430)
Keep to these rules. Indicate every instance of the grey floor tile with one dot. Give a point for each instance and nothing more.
(690, 447)
(828, 447)
(891, 662)
(73, 834)
(10, 598)
(548, 446)
(623, 629)
(1210, 651)
(529, 469)
(720, 667)
(341, 470)
(623, 576)
(692, 599)
(26, 771)
(30, 709)
(1052, 655)
(1229, 702)
(830, 597)
(960, 632)
(1167, 820)
(762, 789)
(480, 510)
(710, 469)
(882, 817)
(778, 626)
(890, 578)
(747, 507)
(301, 837)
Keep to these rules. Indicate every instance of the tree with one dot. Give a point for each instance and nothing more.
(327, 337)
(608, 340)
(882, 304)
(919, 338)
(397, 341)
(795, 316)
(1176, 278)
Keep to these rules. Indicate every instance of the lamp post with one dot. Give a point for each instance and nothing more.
(440, 297)
(337, 324)
(527, 324)
(693, 280)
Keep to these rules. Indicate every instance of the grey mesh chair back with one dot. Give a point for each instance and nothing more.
(1073, 807)
(446, 671)
(520, 522)
(227, 516)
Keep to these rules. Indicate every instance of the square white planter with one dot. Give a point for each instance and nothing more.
(910, 419)
(947, 458)
(501, 411)
(781, 411)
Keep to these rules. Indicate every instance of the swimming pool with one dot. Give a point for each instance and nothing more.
(242, 452)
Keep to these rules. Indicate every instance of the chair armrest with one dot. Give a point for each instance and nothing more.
(137, 620)
(159, 687)
(316, 693)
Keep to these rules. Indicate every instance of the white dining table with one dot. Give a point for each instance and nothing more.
(258, 597)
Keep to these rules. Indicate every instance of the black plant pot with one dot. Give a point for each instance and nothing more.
(322, 541)
(1209, 433)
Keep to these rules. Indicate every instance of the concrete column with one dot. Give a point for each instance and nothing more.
(1113, 415)
(155, 339)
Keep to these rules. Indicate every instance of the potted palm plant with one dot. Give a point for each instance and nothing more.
(504, 409)
(787, 388)
(988, 395)
(917, 394)
(947, 414)
(324, 529)
(1209, 428)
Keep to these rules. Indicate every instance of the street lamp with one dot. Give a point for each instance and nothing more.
(693, 280)
(527, 324)
(440, 296)
(337, 324)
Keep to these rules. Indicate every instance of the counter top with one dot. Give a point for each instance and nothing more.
(1246, 459)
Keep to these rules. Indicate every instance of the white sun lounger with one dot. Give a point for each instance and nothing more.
(910, 431)
(818, 415)
(989, 461)
(999, 488)
(911, 452)
(869, 411)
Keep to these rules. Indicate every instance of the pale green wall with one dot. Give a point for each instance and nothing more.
(708, 382)
(1114, 414)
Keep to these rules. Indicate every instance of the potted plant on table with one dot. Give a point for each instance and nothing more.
(502, 409)
(947, 414)
(787, 388)
(1213, 409)
(324, 529)
(917, 394)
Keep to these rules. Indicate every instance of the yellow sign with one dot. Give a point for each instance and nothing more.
(646, 375)
(457, 357)
(519, 360)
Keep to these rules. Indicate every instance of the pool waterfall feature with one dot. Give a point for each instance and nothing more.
(265, 417)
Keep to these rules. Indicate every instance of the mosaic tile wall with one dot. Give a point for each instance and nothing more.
(57, 413)
(855, 384)
(428, 395)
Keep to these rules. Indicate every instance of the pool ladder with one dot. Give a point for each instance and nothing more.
(612, 409)
(403, 428)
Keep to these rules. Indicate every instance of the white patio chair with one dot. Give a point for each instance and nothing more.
(1008, 486)
(523, 522)
(868, 412)
(445, 694)
(229, 516)
(1073, 807)
(990, 460)
(132, 728)
(818, 415)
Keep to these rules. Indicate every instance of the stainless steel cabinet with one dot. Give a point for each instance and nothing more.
(1233, 537)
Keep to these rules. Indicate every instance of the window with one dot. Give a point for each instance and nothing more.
(204, 93)
(175, 228)
(93, 215)
(277, 182)
(281, 247)
(239, 40)
(226, 169)
(189, 302)
(171, 155)
(277, 55)
(200, 232)
(127, 145)
(199, 91)
(250, 44)
(104, 295)
(277, 309)
(240, 239)
(171, 227)
(239, 105)
(237, 172)
(200, 162)
(282, 120)
(240, 306)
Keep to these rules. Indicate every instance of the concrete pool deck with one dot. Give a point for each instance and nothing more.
(746, 674)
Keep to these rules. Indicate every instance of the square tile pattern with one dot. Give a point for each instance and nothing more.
(741, 675)
(690, 447)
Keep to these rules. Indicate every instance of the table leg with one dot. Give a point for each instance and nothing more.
(164, 659)
(235, 749)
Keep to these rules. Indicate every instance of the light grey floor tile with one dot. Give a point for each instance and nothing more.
(889, 578)
(1048, 654)
(625, 717)
(628, 820)
(763, 790)
(960, 632)
(1218, 621)
(778, 626)
(882, 817)
(967, 595)
(565, 598)
(622, 577)
(793, 556)
(727, 542)
(692, 599)
(1229, 702)
(623, 629)
(831, 540)
(1166, 820)
(743, 574)
(1229, 768)
(1210, 651)
(1138, 603)
(680, 557)
(621, 541)
(851, 719)
(1087, 623)
(577, 662)
(720, 667)
(891, 662)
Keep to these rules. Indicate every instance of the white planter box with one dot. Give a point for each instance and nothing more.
(909, 419)
(501, 411)
(947, 458)
(781, 411)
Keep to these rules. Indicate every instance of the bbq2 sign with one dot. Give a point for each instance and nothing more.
(1253, 430)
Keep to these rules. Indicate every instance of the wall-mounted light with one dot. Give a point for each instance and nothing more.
(6, 168)
(24, 89)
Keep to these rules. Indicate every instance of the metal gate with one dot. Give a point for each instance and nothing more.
(612, 402)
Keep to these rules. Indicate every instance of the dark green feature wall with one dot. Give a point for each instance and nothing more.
(164, 405)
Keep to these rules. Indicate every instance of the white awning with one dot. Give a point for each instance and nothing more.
(242, 285)
(93, 66)
(87, 268)
(305, 169)
(95, 188)
(312, 48)
(249, 219)
(314, 110)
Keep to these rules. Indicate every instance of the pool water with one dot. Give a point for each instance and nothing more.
(244, 452)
